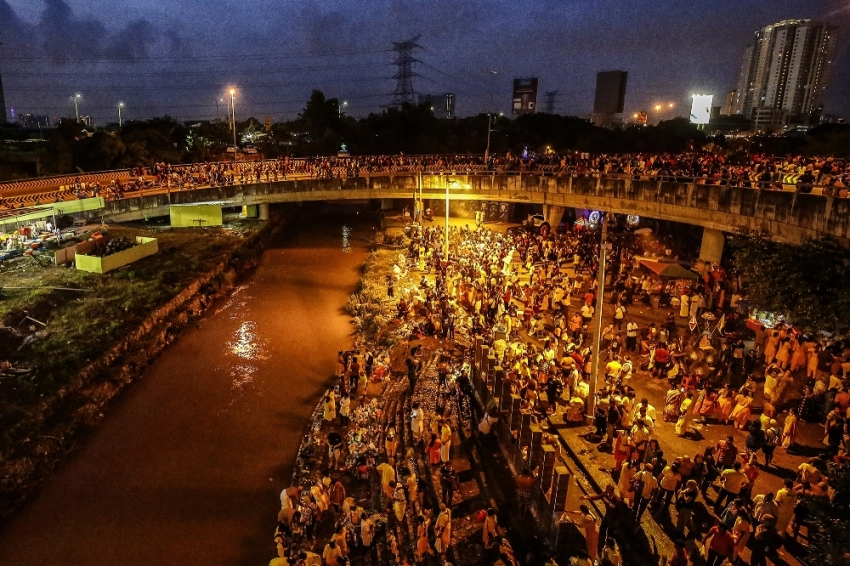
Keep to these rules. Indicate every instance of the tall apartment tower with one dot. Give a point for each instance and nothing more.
(785, 71)
(610, 98)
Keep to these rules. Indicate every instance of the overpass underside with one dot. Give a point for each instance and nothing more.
(788, 216)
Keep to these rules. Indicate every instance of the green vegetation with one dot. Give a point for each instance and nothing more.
(370, 307)
(57, 334)
(321, 129)
(809, 282)
(830, 525)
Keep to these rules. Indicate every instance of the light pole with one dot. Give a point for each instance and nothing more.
(76, 97)
(489, 128)
(120, 106)
(418, 212)
(446, 245)
(233, 118)
(597, 330)
(341, 106)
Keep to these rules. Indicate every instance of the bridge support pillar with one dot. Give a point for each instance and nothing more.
(264, 212)
(711, 250)
(553, 214)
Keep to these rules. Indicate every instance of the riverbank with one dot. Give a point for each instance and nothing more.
(84, 347)
(380, 429)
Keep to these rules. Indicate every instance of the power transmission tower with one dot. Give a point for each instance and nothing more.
(404, 93)
(550, 101)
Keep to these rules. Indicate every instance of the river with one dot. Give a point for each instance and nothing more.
(187, 466)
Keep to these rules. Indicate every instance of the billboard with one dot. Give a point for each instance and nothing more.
(701, 108)
(525, 96)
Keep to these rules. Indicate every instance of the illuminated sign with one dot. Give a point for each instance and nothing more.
(701, 108)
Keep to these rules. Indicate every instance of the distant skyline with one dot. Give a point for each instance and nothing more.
(174, 57)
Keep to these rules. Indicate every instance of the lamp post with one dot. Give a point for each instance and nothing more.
(76, 97)
(446, 244)
(341, 106)
(597, 330)
(233, 118)
(418, 213)
(120, 106)
(489, 128)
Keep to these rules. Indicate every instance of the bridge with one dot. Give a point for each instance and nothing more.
(786, 214)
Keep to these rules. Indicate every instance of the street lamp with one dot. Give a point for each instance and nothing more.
(341, 106)
(120, 106)
(604, 247)
(233, 118)
(76, 97)
(489, 129)
(454, 184)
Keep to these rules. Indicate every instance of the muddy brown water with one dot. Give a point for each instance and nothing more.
(187, 466)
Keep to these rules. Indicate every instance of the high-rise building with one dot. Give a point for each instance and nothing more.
(442, 105)
(524, 99)
(34, 121)
(731, 105)
(610, 98)
(785, 71)
(2, 102)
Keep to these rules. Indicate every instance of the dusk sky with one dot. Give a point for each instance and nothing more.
(178, 57)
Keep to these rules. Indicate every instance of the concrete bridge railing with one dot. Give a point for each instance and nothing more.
(787, 215)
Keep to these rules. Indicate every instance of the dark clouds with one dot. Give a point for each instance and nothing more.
(177, 57)
(63, 37)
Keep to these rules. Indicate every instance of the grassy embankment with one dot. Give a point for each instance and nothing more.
(42, 412)
(369, 306)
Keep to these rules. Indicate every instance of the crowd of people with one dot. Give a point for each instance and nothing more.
(759, 171)
(515, 289)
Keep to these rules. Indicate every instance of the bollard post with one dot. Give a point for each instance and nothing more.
(499, 377)
(515, 418)
(491, 373)
(560, 487)
(535, 446)
(547, 471)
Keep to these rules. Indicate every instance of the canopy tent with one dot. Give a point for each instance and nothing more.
(18, 216)
(671, 270)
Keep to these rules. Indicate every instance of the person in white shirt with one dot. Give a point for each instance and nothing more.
(416, 420)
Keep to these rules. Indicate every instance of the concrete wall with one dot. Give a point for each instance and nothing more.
(789, 216)
(196, 215)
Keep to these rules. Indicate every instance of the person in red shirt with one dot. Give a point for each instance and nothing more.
(662, 355)
(721, 545)
(842, 399)
(588, 298)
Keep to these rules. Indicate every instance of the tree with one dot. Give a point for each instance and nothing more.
(830, 525)
(809, 282)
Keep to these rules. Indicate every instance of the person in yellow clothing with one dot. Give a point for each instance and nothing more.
(422, 545)
(491, 528)
(443, 530)
(331, 554)
(387, 471)
(329, 408)
(446, 439)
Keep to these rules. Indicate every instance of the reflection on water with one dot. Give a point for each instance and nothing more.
(245, 354)
(237, 300)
